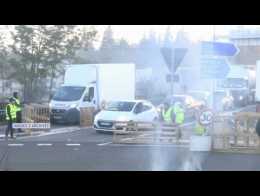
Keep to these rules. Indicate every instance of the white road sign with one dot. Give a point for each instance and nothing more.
(31, 125)
(206, 117)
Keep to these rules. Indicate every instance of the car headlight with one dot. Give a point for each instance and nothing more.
(74, 105)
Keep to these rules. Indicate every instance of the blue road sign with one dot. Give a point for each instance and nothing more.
(214, 68)
(218, 49)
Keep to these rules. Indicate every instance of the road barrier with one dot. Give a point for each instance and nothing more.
(35, 113)
(229, 133)
(2, 112)
(87, 116)
(236, 133)
(147, 133)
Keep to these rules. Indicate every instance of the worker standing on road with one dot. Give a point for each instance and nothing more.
(10, 117)
(199, 129)
(179, 113)
(197, 158)
(18, 109)
(168, 113)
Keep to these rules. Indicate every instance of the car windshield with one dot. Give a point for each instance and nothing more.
(68, 93)
(120, 106)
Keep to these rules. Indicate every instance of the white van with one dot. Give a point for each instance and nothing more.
(89, 85)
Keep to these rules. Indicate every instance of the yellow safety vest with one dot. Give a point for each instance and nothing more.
(199, 129)
(167, 115)
(12, 111)
(179, 113)
(18, 108)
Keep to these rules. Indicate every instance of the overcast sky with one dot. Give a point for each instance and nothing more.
(133, 33)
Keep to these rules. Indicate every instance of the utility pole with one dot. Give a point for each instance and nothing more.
(172, 70)
(213, 80)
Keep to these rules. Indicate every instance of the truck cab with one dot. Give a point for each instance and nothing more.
(67, 101)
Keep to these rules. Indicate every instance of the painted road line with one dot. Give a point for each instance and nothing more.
(55, 131)
(72, 144)
(152, 145)
(15, 144)
(103, 144)
(44, 144)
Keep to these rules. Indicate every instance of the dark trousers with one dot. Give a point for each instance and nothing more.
(19, 118)
(9, 129)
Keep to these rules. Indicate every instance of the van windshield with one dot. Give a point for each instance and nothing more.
(120, 106)
(68, 93)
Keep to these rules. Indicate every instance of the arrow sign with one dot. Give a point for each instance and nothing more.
(218, 49)
(217, 68)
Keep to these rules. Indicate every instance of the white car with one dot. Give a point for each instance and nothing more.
(124, 111)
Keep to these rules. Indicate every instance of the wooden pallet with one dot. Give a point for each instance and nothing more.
(86, 116)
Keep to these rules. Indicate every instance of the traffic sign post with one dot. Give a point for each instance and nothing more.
(173, 58)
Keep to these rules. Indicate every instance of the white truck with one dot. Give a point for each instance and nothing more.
(89, 85)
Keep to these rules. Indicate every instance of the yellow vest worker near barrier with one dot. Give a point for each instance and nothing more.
(168, 113)
(173, 114)
(10, 117)
(18, 109)
(200, 129)
(179, 113)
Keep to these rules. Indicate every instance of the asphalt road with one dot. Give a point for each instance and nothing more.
(90, 151)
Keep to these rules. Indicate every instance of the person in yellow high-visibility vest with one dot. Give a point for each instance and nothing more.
(18, 109)
(199, 129)
(168, 113)
(10, 117)
(179, 113)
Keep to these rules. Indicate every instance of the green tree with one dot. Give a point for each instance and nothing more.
(3, 61)
(39, 50)
(108, 46)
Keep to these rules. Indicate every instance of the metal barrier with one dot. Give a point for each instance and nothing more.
(2, 112)
(35, 113)
(146, 132)
(236, 133)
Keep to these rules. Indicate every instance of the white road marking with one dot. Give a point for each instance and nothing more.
(15, 144)
(72, 144)
(103, 144)
(44, 144)
(55, 131)
(153, 145)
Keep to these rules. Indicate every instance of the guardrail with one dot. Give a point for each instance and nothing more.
(2, 112)
(236, 133)
(146, 132)
(35, 113)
